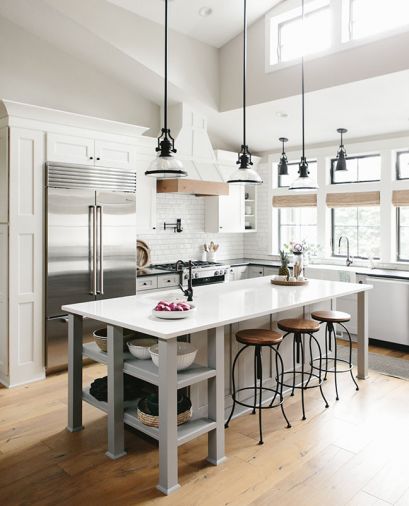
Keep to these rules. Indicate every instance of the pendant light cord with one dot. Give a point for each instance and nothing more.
(302, 85)
(244, 69)
(165, 105)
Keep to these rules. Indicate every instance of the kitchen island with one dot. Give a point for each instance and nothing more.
(217, 306)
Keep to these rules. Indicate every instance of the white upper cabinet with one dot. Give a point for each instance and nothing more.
(145, 200)
(88, 151)
(225, 213)
(115, 155)
(70, 149)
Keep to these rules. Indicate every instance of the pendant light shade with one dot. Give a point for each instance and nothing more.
(304, 181)
(283, 163)
(342, 154)
(244, 174)
(165, 165)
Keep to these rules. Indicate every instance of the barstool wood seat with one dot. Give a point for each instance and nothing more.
(259, 337)
(331, 316)
(298, 325)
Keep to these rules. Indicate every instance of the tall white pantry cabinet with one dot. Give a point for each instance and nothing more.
(30, 136)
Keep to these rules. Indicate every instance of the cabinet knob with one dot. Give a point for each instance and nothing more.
(360, 282)
(98, 158)
(91, 157)
(220, 227)
(153, 228)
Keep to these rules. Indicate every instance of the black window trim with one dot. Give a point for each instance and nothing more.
(397, 164)
(333, 162)
(333, 240)
(279, 227)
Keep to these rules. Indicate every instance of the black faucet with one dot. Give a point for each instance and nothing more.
(179, 268)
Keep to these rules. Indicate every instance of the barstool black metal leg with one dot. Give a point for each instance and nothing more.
(350, 356)
(319, 376)
(292, 391)
(277, 372)
(234, 385)
(260, 400)
(255, 381)
(302, 379)
(311, 363)
(281, 386)
(326, 352)
(335, 362)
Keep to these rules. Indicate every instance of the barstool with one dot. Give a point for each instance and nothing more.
(298, 328)
(330, 318)
(258, 338)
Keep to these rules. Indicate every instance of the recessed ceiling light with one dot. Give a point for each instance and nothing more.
(281, 114)
(205, 11)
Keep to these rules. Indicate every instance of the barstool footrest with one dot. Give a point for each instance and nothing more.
(330, 359)
(308, 375)
(251, 406)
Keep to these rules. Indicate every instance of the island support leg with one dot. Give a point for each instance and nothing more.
(74, 373)
(362, 307)
(168, 447)
(215, 352)
(115, 393)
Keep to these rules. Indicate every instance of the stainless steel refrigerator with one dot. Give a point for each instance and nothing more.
(90, 243)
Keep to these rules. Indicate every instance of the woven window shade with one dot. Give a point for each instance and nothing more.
(358, 199)
(400, 198)
(308, 200)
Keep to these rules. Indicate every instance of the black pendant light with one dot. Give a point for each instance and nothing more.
(244, 174)
(283, 163)
(304, 181)
(165, 165)
(342, 154)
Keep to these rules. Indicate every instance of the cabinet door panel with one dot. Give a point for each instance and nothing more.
(115, 155)
(145, 200)
(254, 271)
(70, 149)
(231, 213)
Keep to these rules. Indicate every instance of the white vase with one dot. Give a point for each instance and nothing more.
(211, 256)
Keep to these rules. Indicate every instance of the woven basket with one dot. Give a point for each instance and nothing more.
(153, 421)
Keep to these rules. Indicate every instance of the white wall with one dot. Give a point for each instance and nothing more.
(365, 61)
(168, 246)
(35, 72)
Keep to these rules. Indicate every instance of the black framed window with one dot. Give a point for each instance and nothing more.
(402, 215)
(402, 165)
(285, 181)
(360, 169)
(296, 224)
(362, 227)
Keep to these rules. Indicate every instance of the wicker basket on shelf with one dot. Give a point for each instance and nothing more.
(152, 420)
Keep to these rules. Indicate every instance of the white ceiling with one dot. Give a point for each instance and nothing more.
(225, 22)
(366, 108)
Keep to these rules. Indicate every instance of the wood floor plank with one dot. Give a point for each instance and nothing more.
(348, 454)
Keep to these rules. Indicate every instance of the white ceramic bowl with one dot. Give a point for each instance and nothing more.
(174, 315)
(186, 354)
(139, 348)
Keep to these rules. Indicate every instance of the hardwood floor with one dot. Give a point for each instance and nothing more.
(354, 453)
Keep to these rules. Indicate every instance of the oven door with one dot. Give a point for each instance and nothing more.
(208, 280)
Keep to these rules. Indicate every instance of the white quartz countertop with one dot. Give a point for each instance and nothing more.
(217, 305)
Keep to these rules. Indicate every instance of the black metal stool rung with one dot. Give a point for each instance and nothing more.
(330, 336)
(258, 375)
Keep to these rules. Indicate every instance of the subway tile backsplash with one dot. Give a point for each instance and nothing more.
(168, 246)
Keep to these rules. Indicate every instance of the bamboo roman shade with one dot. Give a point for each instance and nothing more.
(307, 200)
(355, 199)
(400, 198)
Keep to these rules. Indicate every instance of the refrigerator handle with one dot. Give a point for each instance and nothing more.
(101, 252)
(93, 244)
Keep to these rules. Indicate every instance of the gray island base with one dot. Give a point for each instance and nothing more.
(217, 307)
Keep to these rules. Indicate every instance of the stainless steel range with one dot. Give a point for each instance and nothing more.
(203, 273)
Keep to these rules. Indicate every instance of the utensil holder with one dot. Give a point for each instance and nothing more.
(211, 255)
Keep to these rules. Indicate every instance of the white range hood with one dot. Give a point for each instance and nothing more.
(195, 151)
